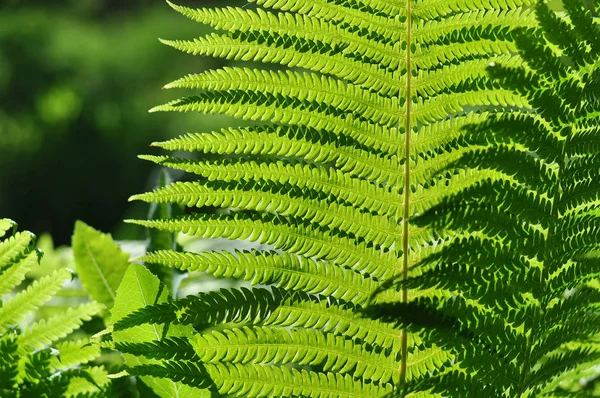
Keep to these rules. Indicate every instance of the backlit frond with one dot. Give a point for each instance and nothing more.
(360, 107)
(33, 362)
(524, 273)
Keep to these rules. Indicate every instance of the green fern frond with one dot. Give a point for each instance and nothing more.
(359, 126)
(264, 345)
(47, 331)
(9, 362)
(170, 348)
(15, 274)
(262, 381)
(301, 239)
(31, 298)
(32, 363)
(274, 307)
(279, 199)
(73, 353)
(189, 373)
(13, 247)
(522, 264)
(93, 382)
(347, 153)
(284, 270)
(6, 225)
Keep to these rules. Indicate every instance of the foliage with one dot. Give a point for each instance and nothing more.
(100, 263)
(523, 264)
(360, 121)
(72, 100)
(410, 200)
(40, 359)
(138, 289)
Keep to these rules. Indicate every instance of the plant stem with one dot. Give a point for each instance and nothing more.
(406, 205)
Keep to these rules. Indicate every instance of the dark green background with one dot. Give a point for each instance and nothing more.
(76, 81)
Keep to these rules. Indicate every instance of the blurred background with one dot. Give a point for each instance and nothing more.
(76, 80)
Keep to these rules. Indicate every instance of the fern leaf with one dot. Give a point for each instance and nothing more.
(15, 274)
(170, 348)
(283, 346)
(520, 266)
(264, 381)
(300, 240)
(13, 247)
(262, 306)
(30, 365)
(284, 270)
(46, 331)
(358, 130)
(277, 200)
(9, 360)
(349, 154)
(5, 226)
(93, 381)
(142, 288)
(31, 298)
(72, 353)
(188, 373)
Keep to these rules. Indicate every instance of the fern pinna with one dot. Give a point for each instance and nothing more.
(37, 359)
(360, 106)
(523, 265)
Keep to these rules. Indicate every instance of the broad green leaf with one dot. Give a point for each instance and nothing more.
(100, 263)
(141, 288)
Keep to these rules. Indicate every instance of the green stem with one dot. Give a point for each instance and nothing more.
(406, 205)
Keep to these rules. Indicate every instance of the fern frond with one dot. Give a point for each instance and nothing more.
(327, 182)
(438, 8)
(520, 285)
(362, 128)
(349, 154)
(31, 298)
(313, 88)
(261, 306)
(47, 331)
(188, 373)
(15, 274)
(276, 231)
(276, 199)
(72, 353)
(9, 362)
(288, 50)
(91, 382)
(13, 247)
(29, 364)
(264, 380)
(282, 346)
(171, 348)
(6, 225)
(286, 271)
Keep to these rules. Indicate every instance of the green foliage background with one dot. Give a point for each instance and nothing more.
(76, 81)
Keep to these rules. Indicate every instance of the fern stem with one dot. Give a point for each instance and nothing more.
(406, 204)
